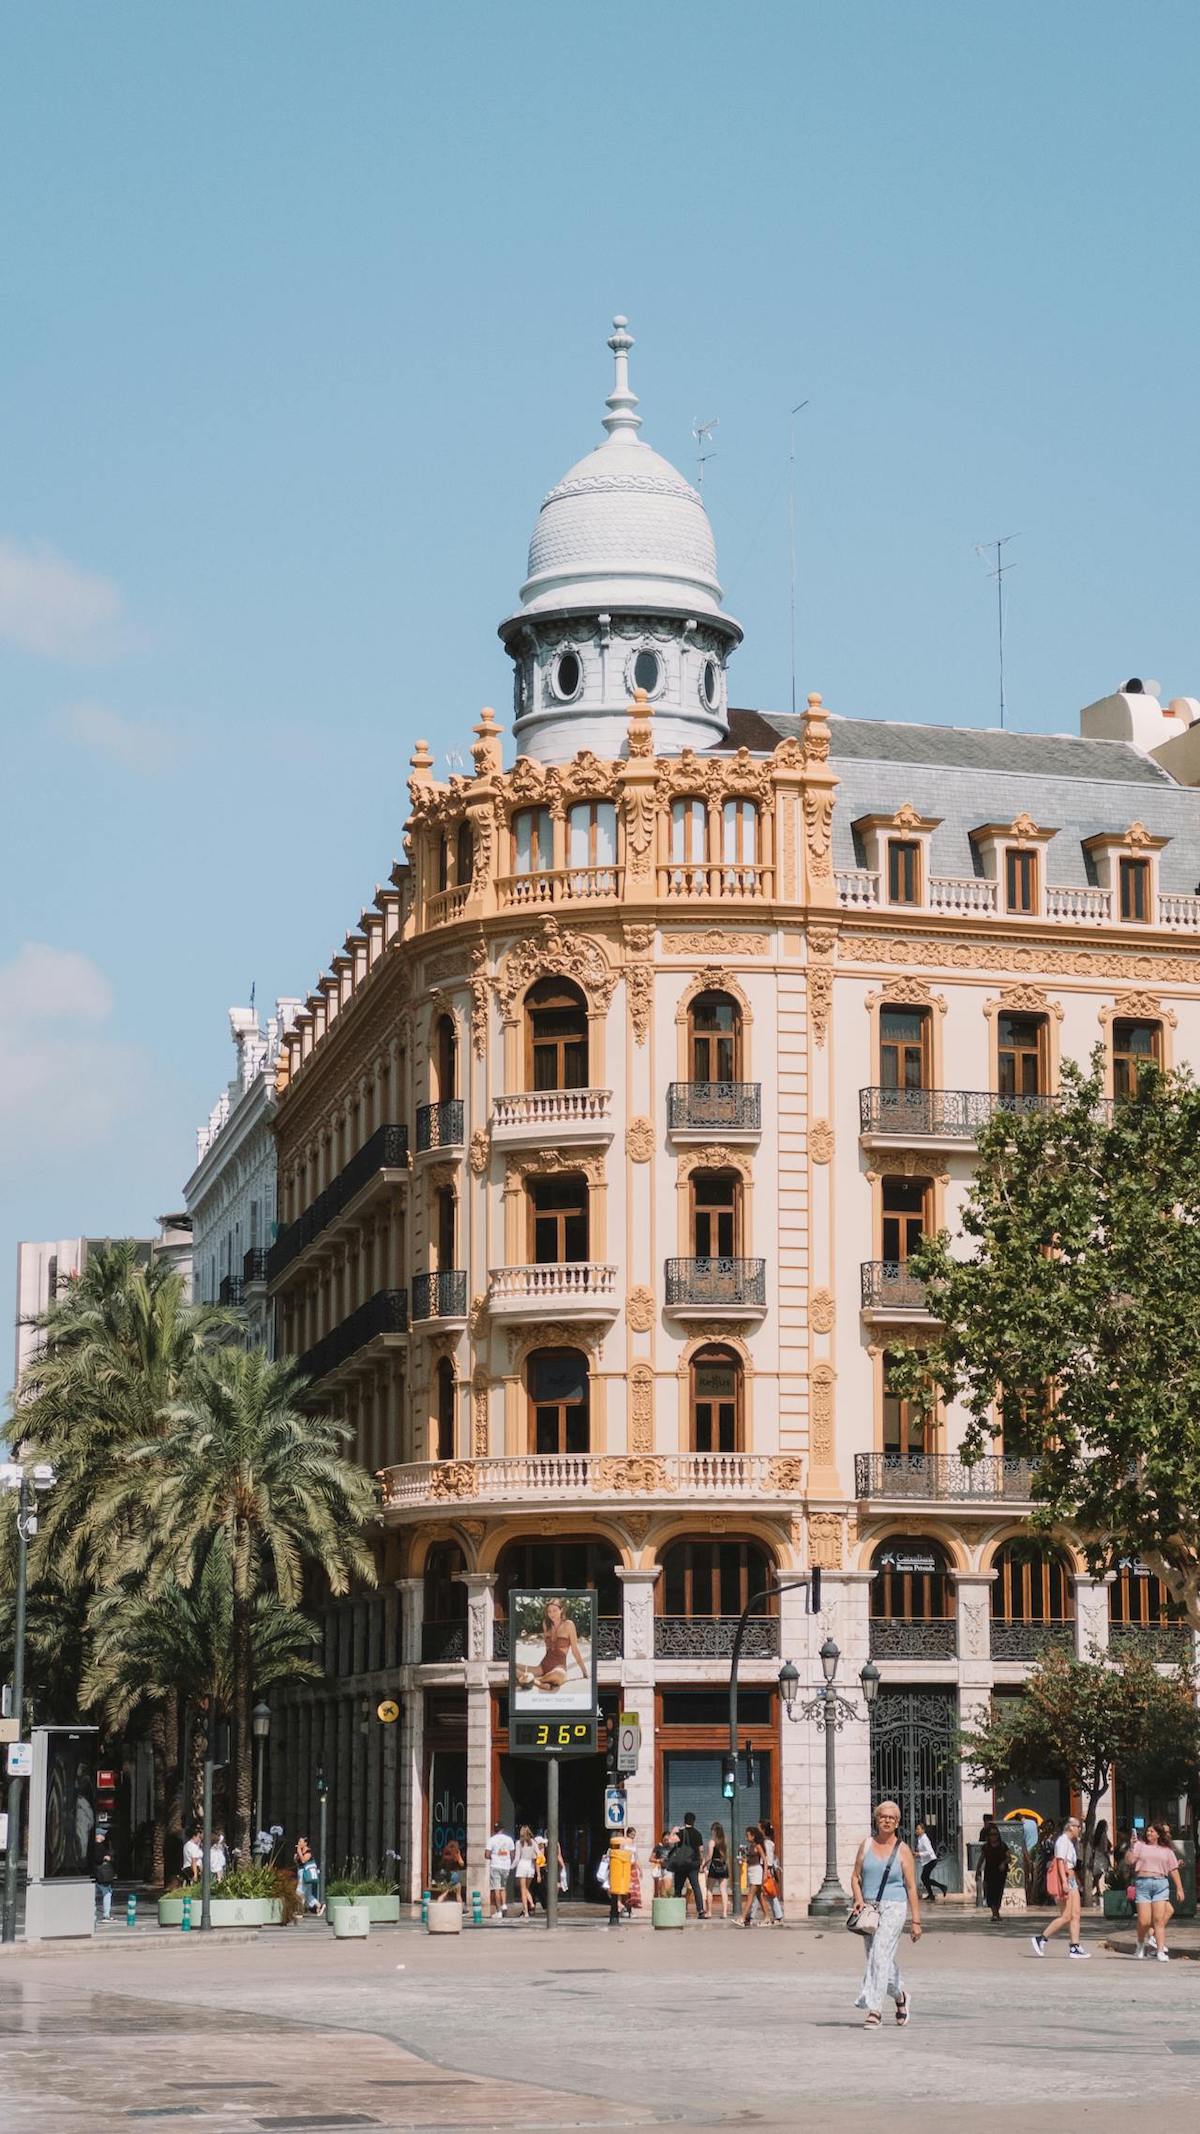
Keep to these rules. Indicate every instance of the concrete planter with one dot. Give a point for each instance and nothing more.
(381, 1911)
(223, 1911)
(350, 1922)
(668, 1911)
(446, 1918)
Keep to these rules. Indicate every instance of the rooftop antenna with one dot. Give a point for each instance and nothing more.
(999, 572)
(792, 536)
(702, 432)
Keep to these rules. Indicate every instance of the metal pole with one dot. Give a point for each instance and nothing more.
(16, 1786)
(831, 1897)
(259, 1823)
(322, 1867)
(552, 1841)
(206, 1842)
(777, 1586)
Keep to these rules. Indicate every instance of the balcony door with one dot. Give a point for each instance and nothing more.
(716, 1215)
(903, 1048)
(556, 1026)
(1021, 1060)
(557, 1385)
(907, 1206)
(905, 1426)
(715, 1038)
(558, 1220)
(716, 1403)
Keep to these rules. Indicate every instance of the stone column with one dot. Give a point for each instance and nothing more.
(973, 1600)
(637, 1695)
(411, 1751)
(1091, 1615)
(481, 1613)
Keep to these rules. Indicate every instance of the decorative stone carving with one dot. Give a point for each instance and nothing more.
(638, 810)
(1023, 828)
(639, 1140)
(587, 1335)
(477, 1317)
(479, 999)
(639, 1622)
(715, 1157)
(1025, 1000)
(442, 967)
(714, 978)
(539, 1163)
(481, 1151)
(816, 730)
(820, 1141)
(453, 1479)
(1039, 958)
(821, 941)
(821, 1382)
(637, 1526)
(784, 1477)
(639, 979)
(630, 1477)
(822, 1311)
(472, 1530)
(907, 817)
(818, 831)
(907, 992)
(551, 952)
(713, 942)
(641, 1408)
(820, 999)
(479, 1416)
(639, 1309)
(825, 1540)
(973, 1627)
(1140, 1004)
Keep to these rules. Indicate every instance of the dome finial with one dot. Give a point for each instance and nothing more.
(621, 402)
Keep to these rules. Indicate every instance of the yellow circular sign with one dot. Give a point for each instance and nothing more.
(387, 1711)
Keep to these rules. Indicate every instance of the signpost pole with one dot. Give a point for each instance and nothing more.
(206, 1841)
(552, 1841)
(16, 1786)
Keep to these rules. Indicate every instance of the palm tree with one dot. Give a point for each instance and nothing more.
(243, 1468)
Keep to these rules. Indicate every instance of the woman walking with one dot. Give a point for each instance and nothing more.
(635, 1874)
(884, 1875)
(773, 1879)
(1062, 1885)
(620, 1877)
(926, 1862)
(995, 1869)
(1155, 1868)
(526, 1869)
(755, 1854)
(1100, 1859)
(716, 1871)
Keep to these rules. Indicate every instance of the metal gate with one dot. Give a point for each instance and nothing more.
(914, 1761)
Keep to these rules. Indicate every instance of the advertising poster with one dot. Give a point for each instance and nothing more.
(552, 1653)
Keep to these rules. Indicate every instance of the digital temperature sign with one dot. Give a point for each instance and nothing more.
(553, 1737)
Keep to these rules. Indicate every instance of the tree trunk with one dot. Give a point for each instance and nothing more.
(158, 1751)
(243, 1692)
(174, 1775)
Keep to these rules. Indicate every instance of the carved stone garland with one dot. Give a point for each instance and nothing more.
(552, 953)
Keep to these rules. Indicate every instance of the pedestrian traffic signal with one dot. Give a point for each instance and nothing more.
(322, 1785)
(748, 1753)
(612, 1751)
(728, 1776)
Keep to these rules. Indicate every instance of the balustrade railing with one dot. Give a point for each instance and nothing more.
(1181, 913)
(710, 1637)
(569, 1477)
(384, 1313)
(1028, 1641)
(897, 1638)
(552, 1108)
(558, 885)
(724, 1107)
(440, 1293)
(887, 1285)
(440, 1126)
(716, 1282)
(387, 1149)
(959, 893)
(1078, 907)
(446, 905)
(930, 1476)
(857, 887)
(713, 878)
(558, 1282)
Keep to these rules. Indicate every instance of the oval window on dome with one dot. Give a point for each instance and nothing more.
(568, 673)
(647, 672)
(710, 684)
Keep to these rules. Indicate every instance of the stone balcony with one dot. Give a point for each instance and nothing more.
(558, 885)
(554, 1118)
(941, 1478)
(536, 1481)
(564, 1289)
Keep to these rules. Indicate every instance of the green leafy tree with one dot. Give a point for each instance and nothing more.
(1079, 1718)
(242, 1468)
(1071, 1325)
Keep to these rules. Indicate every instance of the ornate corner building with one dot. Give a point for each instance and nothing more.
(603, 1145)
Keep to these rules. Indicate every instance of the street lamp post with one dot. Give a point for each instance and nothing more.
(25, 1485)
(260, 1722)
(829, 1711)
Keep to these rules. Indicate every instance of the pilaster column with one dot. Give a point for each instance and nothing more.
(637, 1695)
(1091, 1615)
(973, 1603)
(481, 1612)
(411, 1749)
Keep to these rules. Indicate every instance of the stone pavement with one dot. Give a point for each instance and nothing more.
(592, 2028)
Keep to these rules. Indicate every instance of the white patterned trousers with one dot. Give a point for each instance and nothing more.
(882, 1974)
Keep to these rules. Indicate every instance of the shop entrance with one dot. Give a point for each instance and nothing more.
(581, 1783)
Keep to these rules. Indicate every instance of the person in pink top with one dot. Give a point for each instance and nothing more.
(1155, 1869)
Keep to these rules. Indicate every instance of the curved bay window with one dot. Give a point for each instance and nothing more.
(705, 1586)
(444, 1395)
(912, 1600)
(556, 1383)
(1033, 1601)
(716, 1401)
(556, 1029)
(1143, 1617)
(444, 1625)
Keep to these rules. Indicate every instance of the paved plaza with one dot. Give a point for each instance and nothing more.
(516, 2028)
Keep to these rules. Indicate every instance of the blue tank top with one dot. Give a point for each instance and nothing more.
(873, 1871)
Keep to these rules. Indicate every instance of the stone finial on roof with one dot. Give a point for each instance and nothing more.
(486, 751)
(816, 730)
(640, 714)
(621, 401)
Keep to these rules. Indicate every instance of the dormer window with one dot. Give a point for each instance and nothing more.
(1012, 856)
(904, 871)
(1134, 884)
(1020, 881)
(1126, 869)
(896, 849)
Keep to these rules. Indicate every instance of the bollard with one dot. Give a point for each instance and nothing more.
(131, 1909)
(186, 1920)
(476, 1908)
(424, 1907)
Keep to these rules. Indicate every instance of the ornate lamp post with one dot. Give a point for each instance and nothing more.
(260, 1722)
(829, 1711)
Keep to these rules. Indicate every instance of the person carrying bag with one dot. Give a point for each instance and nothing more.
(884, 1886)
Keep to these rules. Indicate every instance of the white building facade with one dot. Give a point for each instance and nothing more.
(231, 1194)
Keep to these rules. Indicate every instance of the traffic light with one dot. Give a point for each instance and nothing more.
(748, 1753)
(322, 1784)
(814, 1590)
(610, 1753)
(728, 1776)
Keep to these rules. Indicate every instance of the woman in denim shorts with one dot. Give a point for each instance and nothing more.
(1155, 1869)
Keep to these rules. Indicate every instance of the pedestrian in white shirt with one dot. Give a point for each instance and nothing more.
(926, 1862)
(193, 1858)
(499, 1852)
(1062, 1882)
(218, 1858)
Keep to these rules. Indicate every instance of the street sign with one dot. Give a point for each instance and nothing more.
(614, 1808)
(20, 1759)
(388, 1711)
(629, 1741)
(628, 1719)
(9, 1731)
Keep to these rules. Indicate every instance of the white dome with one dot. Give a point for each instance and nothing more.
(622, 529)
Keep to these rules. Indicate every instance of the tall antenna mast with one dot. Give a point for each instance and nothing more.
(792, 537)
(702, 432)
(999, 572)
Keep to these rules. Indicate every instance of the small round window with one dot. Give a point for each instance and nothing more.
(710, 684)
(647, 672)
(567, 674)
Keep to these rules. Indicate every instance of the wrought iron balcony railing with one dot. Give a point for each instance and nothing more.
(710, 1637)
(941, 1476)
(441, 1642)
(722, 1107)
(947, 1114)
(440, 1294)
(716, 1282)
(896, 1638)
(887, 1285)
(230, 1291)
(384, 1313)
(387, 1150)
(254, 1264)
(610, 1638)
(1028, 1641)
(1166, 1642)
(440, 1126)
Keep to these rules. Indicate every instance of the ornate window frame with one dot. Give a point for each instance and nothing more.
(1139, 1008)
(1025, 1000)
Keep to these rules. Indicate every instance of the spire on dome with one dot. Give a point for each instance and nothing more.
(621, 403)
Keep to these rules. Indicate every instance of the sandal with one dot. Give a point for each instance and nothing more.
(902, 2009)
(873, 2020)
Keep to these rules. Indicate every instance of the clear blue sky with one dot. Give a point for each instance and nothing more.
(304, 308)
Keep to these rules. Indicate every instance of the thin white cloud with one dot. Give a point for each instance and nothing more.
(65, 1081)
(52, 607)
(136, 744)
